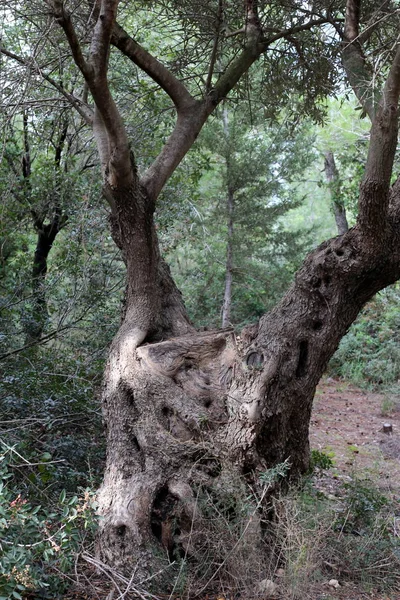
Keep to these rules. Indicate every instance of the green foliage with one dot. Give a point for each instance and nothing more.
(363, 502)
(38, 543)
(370, 352)
(320, 460)
(366, 535)
(52, 403)
(275, 474)
(260, 166)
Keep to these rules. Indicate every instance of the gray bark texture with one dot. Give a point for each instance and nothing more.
(186, 409)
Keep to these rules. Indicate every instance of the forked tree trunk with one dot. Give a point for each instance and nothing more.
(185, 409)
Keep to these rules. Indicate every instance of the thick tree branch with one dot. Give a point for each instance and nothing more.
(355, 65)
(391, 92)
(150, 65)
(192, 118)
(375, 187)
(108, 127)
(188, 126)
(100, 45)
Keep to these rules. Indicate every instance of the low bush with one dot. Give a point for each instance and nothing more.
(38, 544)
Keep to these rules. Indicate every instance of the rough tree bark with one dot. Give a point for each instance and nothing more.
(183, 408)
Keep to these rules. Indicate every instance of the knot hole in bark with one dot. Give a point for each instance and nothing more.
(301, 369)
(255, 360)
(120, 530)
(164, 521)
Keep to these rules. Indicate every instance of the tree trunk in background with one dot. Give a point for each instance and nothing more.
(226, 307)
(37, 316)
(35, 322)
(339, 209)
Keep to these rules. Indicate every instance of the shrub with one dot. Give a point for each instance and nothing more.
(38, 544)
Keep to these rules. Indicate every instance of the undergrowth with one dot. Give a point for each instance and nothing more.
(38, 544)
(247, 541)
(369, 355)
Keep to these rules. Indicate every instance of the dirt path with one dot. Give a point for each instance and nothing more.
(348, 422)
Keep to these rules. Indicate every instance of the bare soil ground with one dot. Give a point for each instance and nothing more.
(347, 424)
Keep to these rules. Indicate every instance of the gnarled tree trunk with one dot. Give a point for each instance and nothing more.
(185, 409)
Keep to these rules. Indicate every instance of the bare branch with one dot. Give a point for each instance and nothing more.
(64, 19)
(150, 65)
(293, 30)
(81, 107)
(251, 52)
(215, 47)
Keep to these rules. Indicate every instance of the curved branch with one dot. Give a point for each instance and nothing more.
(100, 45)
(109, 129)
(150, 65)
(188, 126)
(194, 114)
